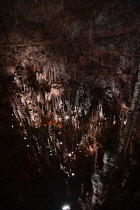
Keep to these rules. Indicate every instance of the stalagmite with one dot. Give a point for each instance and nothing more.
(125, 138)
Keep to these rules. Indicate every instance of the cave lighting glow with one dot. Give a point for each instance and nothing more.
(66, 207)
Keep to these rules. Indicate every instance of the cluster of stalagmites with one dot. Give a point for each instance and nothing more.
(101, 179)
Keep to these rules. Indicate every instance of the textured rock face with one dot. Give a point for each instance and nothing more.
(71, 67)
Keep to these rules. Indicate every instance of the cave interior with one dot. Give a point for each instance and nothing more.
(69, 105)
